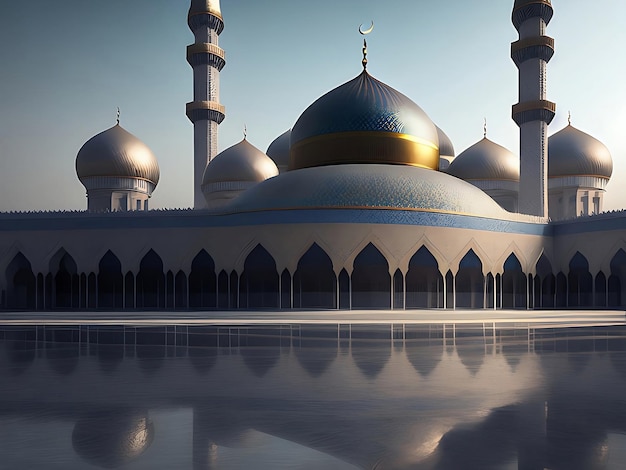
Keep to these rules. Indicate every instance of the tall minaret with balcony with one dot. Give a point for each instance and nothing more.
(205, 111)
(531, 54)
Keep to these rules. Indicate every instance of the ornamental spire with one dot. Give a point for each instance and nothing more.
(364, 33)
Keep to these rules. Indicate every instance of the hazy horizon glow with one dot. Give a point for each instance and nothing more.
(66, 69)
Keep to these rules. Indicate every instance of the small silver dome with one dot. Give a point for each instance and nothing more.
(117, 153)
(446, 149)
(485, 160)
(279, 150)
(242, 162)
(572, 152)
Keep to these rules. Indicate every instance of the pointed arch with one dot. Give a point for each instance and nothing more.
(344, 290)
(470, 282)
(371, 282)
(259, 282)
(580, 282)
(21, 284)
(314, 282)
(617, 280)
(64, 282)
(202, 282)
(514, 284)
(150, 282)
(110, 282)
(424, 282)
(398, 290)
(545, 283)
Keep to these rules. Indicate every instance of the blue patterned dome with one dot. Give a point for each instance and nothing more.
(364, 121)
(368, 187)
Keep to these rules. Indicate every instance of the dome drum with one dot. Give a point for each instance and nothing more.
(116, 183)
(364, 147)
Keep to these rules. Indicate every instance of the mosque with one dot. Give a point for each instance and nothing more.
(362, 204)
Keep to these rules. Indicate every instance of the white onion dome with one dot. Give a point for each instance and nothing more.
(116, 153)
(234, 170)
(279, 151)
(485, 160)
(572, 152)
(364, 121)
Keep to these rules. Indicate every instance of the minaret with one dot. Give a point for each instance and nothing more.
(533, 112)
(205, 111)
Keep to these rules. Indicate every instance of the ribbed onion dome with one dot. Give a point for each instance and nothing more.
(117, 153)
(485, 160)
(279, 150)
(572, 152)
(242, 162)
(364, 121)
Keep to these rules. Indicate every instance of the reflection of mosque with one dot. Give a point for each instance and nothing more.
(395, 396)
(362, 204)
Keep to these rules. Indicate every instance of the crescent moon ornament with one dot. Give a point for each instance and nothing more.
(366, 31)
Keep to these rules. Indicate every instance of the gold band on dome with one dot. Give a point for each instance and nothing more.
(364, 147)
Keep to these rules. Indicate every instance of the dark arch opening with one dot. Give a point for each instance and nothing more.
(202, 282)
(110, 282)
(344, 290)
(545, 284)
(64, 287)
(150, 282)
(180, 290)
(513, 284)
(616, 282)
(600, 293)
(424, 282)
(470, 282)
(580, 282)
(398, 290)
(259, 282)
(561, 290)
(314, 282)
(371, 282)
(21, 284)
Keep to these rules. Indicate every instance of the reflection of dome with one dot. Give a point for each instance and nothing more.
(485, 160)
(364, 121)
(116, 153)
(368, 186)
(279, 151)
(235, 170)
(573, 153)
(112, 439)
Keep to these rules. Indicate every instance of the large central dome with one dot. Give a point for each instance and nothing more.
(364, 121)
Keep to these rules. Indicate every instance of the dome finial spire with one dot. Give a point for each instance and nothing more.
(485, 128)
(245, 132)
(569, 118)
(364, 33)
(118, 116)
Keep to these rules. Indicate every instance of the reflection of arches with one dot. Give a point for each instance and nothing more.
(371, 349)
(617, 280)
(424, 282)
(260, 350)
(545, 284)
(470, 282)
(20, 283)
(258, 285)
(371, 282)
(202, 282)
(110, 282)
(314, 282)
(513, 284)
(316, 348)
(580, 282)
(470, 347)
(424, 347)
(151, 282)
(62, 356)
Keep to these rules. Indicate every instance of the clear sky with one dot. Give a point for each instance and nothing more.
(67, 65)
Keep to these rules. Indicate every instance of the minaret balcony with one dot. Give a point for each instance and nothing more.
(539, 110)
(206, 54)
(527, 9)
(206, 111)
(540, 47)
(205, 19)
